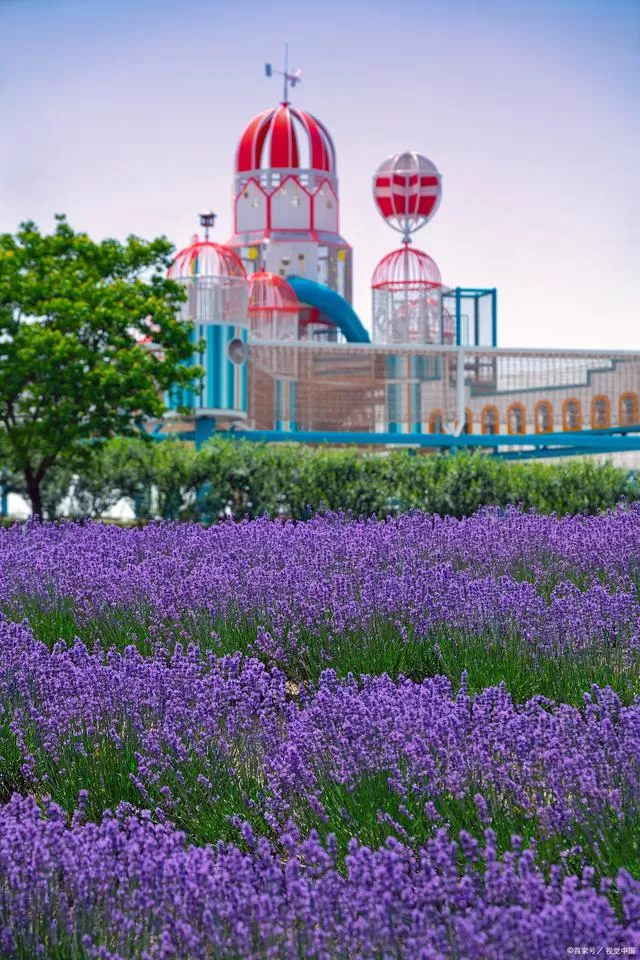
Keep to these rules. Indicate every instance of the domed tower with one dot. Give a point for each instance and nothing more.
(286, 208)
(217, 295)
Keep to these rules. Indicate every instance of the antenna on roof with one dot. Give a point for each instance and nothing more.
(289, 78)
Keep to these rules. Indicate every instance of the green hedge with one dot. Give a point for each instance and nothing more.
(240, 478)
(248, 479)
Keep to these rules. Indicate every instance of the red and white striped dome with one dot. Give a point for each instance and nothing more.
(204, 258)
(407, 190)
(285, 138)
(268, 293)
(406, 267)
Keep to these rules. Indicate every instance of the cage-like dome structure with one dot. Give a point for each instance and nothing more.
(216, 283)
(273, 307)
(406, 287)
(406, 267)
(407, 191)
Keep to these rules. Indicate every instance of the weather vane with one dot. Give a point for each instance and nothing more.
(289, 78)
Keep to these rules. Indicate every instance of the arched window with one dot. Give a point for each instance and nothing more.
(436, 424)
(629, 410)
(571, 414)
(543, 417)
(600, 412)
(517, 418)
(490, 419)
(468, 420)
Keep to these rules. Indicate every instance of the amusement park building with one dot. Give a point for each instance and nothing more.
(286, 357)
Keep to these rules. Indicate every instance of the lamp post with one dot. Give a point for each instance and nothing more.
(207, 220)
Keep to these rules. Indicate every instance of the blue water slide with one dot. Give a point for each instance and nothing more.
(334, 307)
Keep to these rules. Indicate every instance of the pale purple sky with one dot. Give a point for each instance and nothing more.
(125, 115)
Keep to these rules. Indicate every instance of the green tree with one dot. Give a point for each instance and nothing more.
(71, 369)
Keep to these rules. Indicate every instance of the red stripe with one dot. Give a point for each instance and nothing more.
(331, 150)
(403, 180)
(319, 155)
(252, 137)
(426, 205)
(284, 143)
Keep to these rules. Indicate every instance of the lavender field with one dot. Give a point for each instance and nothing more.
(415, 738)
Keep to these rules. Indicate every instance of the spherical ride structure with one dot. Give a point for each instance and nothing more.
(407, 190)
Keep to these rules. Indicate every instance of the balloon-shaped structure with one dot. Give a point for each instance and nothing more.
(407, 190)
(273, 307)
(406, 301)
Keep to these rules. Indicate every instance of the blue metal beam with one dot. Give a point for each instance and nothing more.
(574, 443)
(585, 441)
(553, 452)
(494, 318)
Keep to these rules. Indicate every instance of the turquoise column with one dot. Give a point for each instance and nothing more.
(293, 405)
(205, 429)
(286, 405)
(416, 426)
(178, 396)
(278, 405)
(393, 395)
(415, 392)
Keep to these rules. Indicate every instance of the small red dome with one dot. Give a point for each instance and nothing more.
(272, 140)
(406, 267)
(270, 293)
(204, 258)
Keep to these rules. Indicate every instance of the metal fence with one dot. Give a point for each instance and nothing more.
(405, 389)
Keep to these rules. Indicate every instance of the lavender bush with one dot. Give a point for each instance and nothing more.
(200, 740)
(130, 888)
(358, 739)
(499, 597)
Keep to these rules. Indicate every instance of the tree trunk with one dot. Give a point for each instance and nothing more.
(33, 492)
